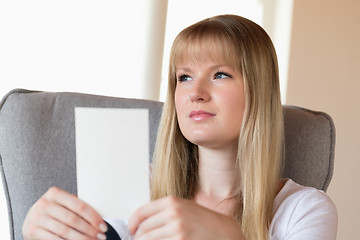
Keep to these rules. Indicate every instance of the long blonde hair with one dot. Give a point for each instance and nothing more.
(245, 45)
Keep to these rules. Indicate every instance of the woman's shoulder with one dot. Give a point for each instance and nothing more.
(292, 192)
(303, 211)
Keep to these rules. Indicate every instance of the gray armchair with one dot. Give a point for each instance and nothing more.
(37, 144)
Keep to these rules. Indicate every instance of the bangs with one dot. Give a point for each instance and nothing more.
(206, 40)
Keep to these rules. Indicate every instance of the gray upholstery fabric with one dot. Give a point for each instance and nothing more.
(309, 147)
(37, 144)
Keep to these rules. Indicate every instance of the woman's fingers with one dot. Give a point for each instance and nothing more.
(77, 206)
(40, 233)
(176, 218)
(161, 218)
(64, 223)
(173, 229)
(155, 234)
(153, 222)
(150, 209)
(61, 214)
(59, 229)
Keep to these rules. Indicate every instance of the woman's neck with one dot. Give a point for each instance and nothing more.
(217, 173)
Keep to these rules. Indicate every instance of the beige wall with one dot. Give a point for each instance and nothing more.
(324, 74)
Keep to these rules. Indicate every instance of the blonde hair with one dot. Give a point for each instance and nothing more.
(246, 46)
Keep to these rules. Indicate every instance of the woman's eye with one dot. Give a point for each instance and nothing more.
(184, 78)
(222, 75)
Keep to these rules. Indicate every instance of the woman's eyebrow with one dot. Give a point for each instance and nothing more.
(221, 66)
(183, 69)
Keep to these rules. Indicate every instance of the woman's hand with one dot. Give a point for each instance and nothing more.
(175, 218)
(61, 215)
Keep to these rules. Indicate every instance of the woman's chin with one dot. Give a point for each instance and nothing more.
(207, 142)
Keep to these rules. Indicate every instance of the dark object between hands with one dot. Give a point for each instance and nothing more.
(111, 234)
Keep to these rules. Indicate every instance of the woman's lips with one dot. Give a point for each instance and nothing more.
(199, 115)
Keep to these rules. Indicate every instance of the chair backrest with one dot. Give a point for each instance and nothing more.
(37, 144)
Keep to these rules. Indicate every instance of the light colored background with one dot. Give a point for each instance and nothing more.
(83, 46)
(324, 75)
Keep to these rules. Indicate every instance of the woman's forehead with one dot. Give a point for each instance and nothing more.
(215, 54)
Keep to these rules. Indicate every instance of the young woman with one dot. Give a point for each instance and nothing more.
(217, 162)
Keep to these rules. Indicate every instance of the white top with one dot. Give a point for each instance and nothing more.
(303, 213)
(299, 213)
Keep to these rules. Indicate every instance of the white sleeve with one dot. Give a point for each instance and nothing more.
(313, 218)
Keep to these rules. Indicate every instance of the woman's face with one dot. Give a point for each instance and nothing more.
(209, 101)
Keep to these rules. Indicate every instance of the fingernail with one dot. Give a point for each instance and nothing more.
(101, 236)
(103, 227)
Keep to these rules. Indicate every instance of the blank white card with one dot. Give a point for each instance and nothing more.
(112, 159)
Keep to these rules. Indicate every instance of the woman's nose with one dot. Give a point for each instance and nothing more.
(199, 92)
